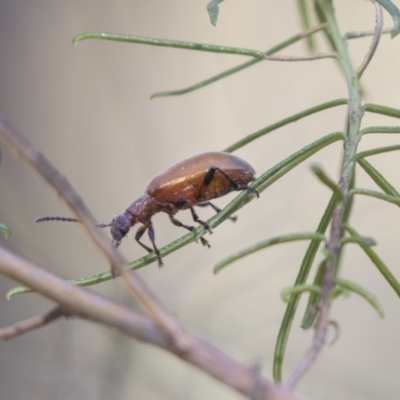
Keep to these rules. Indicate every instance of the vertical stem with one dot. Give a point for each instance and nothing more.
(352, 138)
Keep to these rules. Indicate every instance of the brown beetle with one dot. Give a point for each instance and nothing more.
(191, 182)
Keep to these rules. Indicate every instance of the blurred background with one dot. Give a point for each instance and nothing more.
(88, 109)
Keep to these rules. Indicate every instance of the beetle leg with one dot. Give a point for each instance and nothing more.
(210, 175)
(176, 222)
(184, 202)
(233, 218)
(152, 237)
(139, 234)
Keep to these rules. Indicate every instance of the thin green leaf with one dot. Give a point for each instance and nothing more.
(293, 118)
(213, 11)
(362, 240)
(364, 293)
(6, 230)
(339, 291)
(381, 196)
(380, 129)
(314, 299)
(378, 109)
(239, 67)
(394, 12)
(378, 178)
(324, 178)
(360, 34)
(295, 159)
(376, 260)
(306, 22)
(287, 293)
(301, 279)
(273, 174)
(169, 43)
(322, 19)
(292, 237)
(17, 290)
(378, 150)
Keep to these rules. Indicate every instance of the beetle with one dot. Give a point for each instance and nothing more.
(192, 182)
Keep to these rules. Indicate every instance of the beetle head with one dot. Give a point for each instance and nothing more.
(120, 226)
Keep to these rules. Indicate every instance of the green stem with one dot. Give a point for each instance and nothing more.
(293, 237)
(378, 109)
(380, 129)
(378, 150)
(314, 299)
(169, 43)
(6, 230)
(304, 271)
(377, 195)
(365, 241)
(365, 294)
(376, 260)
(287, 293)
(324, 178)
(293, 118)
(239, 67)
(333, 247)
(378, 178)
(306, 22)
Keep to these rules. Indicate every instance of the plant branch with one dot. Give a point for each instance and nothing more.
(135, 285)
(333, 246)
(30, 324)
(89, 305)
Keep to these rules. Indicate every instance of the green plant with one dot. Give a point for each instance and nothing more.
(327, 283)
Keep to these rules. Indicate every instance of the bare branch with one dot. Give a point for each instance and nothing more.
(30, 324)
(81, 302)
(64, 189)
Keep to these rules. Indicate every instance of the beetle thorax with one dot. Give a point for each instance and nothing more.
(143, 208)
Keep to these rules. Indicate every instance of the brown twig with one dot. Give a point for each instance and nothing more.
(136, 286)
(30, 324)
(81, 302)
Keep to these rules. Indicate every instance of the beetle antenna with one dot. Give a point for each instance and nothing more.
(66, 219)
(103, 225)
